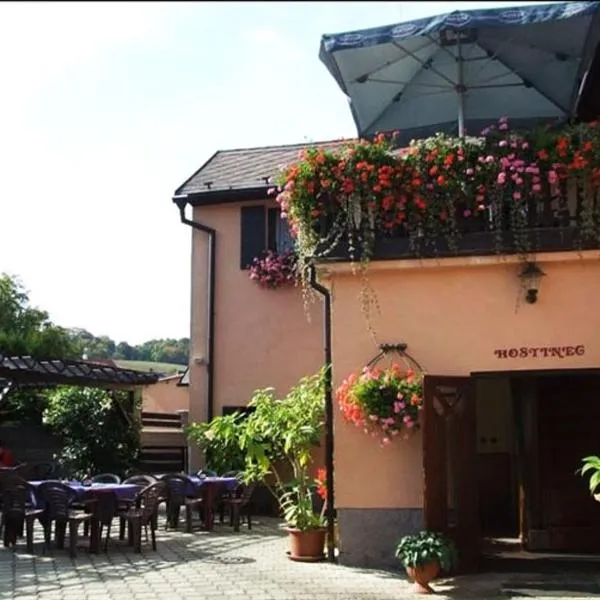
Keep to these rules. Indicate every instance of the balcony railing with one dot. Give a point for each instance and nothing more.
(570, 221)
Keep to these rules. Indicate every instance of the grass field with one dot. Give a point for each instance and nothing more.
(141, 365)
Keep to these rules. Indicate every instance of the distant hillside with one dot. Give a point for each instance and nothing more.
(168, 351)
(156, 367)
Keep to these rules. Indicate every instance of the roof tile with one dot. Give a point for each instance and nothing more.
(245, 168)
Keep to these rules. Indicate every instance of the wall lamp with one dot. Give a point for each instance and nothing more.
(531, 276)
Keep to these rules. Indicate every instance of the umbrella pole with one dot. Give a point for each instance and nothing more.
(460, 89)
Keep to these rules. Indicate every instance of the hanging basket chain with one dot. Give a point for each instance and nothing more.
(400, 350)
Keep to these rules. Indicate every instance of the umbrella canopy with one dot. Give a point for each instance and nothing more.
(461, 71)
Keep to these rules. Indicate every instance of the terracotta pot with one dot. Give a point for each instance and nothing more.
(423, 575)
(307, 545)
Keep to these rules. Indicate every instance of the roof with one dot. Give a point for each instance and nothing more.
(27, 370)
(244, 168)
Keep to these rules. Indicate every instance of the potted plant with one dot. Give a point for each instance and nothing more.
(384, 403)
(423, 555)
(591, 464)
(278, 439)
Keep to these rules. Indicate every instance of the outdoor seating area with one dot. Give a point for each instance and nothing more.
(84, 511)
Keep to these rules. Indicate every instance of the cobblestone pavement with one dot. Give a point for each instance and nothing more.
(250, 564)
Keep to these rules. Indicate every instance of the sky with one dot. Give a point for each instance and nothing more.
(106, 108)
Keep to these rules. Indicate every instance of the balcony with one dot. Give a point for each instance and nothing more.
(549, 224)
(505, 192)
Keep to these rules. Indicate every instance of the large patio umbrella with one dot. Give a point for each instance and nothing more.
(461, 71)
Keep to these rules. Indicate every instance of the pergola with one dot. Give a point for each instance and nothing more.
(26, 371)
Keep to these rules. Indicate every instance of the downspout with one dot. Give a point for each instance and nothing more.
(330, 508)
(181, 202)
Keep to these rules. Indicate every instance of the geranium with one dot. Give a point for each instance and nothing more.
(438, 189)
(274, 270)
(321, 483)
(382, 402)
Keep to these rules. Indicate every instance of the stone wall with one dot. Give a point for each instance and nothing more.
(369, 536)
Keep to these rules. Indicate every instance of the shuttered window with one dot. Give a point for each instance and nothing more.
(254, 234)
(262, 230)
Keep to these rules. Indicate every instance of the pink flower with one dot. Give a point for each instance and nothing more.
(517, 195)
(536, 187)
(489, 159)
(407, 419)
(373, 418)
(386, 440)
(469, 171)
(467, 213)
(410, 424)
(502, 143)
(552, 177)
(501, 178)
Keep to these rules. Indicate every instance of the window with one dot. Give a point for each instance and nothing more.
(262, 229)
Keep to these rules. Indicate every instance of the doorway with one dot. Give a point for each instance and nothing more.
(501, 451)
(533, 430)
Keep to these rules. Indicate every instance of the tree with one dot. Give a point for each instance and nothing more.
(95, 435)
(28, 330)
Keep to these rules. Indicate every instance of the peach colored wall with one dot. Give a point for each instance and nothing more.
(263, 337)
(166, 396)
(453, 314)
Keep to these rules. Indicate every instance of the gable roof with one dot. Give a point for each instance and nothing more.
(244, 168)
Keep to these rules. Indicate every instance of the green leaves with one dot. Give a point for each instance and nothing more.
(94, 434)
(273, 443)
(221, 440)
(425, 547)
(591, 464)
(28, 330)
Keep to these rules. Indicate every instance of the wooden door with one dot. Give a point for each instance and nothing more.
(568, 418)
(449, 460)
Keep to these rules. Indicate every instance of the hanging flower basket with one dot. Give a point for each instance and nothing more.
(385, 403)
(275, 270)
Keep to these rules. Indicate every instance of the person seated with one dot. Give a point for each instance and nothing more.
(6, 456)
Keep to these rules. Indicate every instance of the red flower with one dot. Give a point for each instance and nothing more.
(321, 482)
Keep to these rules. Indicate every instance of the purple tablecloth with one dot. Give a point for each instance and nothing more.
(197, 482)
(123, 491)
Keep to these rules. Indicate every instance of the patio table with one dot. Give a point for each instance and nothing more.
(125, 492)
(209, 487)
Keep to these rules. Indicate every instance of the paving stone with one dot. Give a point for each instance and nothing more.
(220, 565)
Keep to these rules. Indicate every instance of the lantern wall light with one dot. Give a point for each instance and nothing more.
(531, 277)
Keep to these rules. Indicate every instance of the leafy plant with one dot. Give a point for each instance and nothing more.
(278, 438)
(220, 440)
(95, 435)
(591, 464)
(424, 547)
(382, 402)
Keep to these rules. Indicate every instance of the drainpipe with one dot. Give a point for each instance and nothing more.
(181, 202)
(330, 509)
